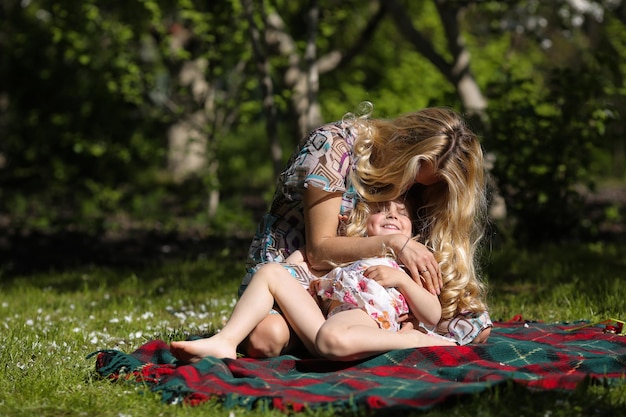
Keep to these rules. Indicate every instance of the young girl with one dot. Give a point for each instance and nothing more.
(372, 295)
(379, 288)
(354, 329)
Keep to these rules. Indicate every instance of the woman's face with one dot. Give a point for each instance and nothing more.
(389, 218)
(427, 175)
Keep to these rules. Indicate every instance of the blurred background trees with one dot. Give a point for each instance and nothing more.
(178, 114)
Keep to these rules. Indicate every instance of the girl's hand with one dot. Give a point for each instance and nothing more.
(386, 276)
(408, 322)
(422, 265)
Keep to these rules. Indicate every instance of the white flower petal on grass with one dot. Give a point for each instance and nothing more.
(181, 316)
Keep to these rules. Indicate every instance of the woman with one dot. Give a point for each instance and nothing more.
(430, 152)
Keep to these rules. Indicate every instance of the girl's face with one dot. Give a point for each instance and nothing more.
(389, 218)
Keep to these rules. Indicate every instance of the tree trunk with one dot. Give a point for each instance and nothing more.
(458, 71)
(259, 48)
(187, 147)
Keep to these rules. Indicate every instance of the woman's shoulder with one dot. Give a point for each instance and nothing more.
(332, 132)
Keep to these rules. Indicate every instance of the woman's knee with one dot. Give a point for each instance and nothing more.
(268, 339)
(270, 269)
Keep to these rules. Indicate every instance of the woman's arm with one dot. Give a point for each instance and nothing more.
(424, 305)
(324, 247)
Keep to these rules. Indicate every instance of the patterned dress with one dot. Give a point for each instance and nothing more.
(349, 285)
(323, 160)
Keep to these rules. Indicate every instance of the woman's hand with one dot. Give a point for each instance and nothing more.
(421, 263)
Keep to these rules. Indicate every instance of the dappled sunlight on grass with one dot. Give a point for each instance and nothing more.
(558, 283)
(49, 323)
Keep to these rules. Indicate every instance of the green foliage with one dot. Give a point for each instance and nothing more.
(94, 87)
(544, 141)
(395, 79)
(74, 131)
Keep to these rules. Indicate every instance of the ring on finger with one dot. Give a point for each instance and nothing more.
(424, 271)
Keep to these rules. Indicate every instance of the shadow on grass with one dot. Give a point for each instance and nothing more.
(511, 399)
(36, 252)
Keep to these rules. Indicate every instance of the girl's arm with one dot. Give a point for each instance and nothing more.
(323, 246)
(424, 305)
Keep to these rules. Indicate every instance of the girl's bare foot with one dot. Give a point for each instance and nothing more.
(195, 350)
(424, 340)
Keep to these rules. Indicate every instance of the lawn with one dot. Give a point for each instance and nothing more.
(50, 321)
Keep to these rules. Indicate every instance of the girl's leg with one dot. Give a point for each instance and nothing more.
(271, 283)
(353, 334)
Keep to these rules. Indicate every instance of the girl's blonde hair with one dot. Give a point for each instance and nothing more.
(451, 213)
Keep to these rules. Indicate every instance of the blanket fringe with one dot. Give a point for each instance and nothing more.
(113, 363)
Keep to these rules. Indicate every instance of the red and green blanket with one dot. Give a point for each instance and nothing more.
(536, 355)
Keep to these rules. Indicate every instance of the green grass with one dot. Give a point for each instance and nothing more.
(50, 322)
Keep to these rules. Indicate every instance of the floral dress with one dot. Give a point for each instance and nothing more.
(353, 289)
(349, 285)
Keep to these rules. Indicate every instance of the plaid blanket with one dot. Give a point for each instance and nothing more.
(536, 355)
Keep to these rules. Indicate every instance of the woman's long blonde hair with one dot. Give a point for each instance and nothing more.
(451, 214)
